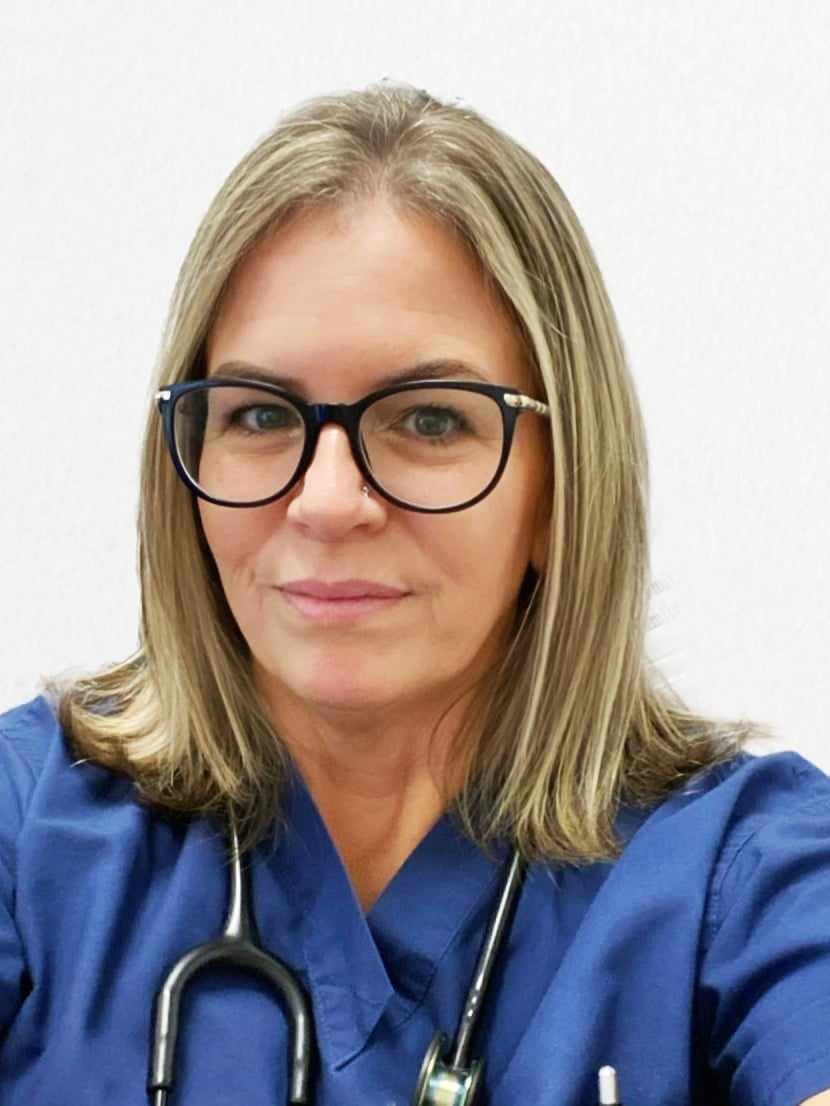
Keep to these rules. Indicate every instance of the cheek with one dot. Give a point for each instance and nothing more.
(235, 535)
(482, 554)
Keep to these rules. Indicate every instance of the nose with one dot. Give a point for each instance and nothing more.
(330, 501)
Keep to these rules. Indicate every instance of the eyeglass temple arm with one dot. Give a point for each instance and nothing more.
(525, 403)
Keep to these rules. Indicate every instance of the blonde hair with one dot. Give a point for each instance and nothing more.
(576, 718)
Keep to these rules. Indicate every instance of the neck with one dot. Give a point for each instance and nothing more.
(375, 816)
(379, 783)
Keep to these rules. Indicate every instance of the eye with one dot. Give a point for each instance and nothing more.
(261, 417)
(433, 421)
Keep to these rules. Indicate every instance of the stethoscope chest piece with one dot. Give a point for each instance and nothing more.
(441, 1084)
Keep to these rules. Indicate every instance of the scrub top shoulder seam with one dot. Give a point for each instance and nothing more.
(9, 739)
(716, 915)
(10, 845)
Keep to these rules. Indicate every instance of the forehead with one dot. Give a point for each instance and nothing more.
(361, 289)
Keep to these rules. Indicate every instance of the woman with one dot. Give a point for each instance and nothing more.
(394, 572)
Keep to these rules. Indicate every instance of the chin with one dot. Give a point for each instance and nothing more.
(334, 683)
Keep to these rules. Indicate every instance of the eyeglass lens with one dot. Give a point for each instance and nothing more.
(432, 447)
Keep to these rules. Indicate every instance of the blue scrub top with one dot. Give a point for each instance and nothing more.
(698, 965)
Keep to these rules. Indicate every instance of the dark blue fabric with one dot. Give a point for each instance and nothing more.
(698, 964)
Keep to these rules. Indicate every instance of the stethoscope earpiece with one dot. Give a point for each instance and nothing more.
(442, 1084)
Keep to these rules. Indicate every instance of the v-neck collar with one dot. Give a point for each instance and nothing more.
(360, 967)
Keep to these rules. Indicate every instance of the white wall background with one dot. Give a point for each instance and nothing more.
(692, 139)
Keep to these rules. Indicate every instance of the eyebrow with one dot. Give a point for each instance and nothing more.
(441, 368)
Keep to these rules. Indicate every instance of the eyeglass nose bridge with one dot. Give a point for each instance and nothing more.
(344, 415)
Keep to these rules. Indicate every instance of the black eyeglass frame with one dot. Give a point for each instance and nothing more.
(511, 403)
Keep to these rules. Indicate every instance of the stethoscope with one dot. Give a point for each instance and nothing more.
(448, 1076)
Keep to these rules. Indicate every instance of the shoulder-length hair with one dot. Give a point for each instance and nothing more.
(575, 719)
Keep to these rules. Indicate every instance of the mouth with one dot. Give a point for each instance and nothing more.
(340, 608)
(342, 589)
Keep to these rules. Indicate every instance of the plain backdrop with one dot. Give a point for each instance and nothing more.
(691, 138)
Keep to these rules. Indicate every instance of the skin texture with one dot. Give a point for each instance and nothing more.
(338, 299)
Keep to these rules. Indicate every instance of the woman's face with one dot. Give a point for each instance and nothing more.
(336, 301)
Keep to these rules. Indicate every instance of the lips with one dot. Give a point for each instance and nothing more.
(341, 602)
(342, 589)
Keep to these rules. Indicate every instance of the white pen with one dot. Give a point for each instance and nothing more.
(608, 1090)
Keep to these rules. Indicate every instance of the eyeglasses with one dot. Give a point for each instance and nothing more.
(431, 446)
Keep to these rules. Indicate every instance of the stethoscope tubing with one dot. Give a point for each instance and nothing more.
(487, 958)
(238, 947)
(448, 1075)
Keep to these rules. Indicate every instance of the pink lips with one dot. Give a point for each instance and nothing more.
(344, 589)
(342, 601)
